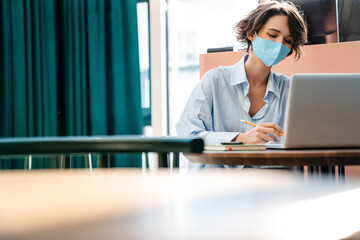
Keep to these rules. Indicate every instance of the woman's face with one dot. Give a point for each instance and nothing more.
(276, 29)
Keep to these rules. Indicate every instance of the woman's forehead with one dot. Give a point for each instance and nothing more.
(278, 24)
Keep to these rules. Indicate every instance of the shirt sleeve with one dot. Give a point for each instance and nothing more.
(197, 118)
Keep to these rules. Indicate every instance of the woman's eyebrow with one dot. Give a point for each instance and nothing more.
(278, 31)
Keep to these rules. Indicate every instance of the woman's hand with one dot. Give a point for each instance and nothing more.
(260, 134)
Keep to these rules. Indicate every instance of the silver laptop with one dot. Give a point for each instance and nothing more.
(323, 112)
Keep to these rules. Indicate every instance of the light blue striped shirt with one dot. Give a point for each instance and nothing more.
(220, 100)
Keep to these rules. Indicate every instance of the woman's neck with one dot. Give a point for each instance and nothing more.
(256, 71)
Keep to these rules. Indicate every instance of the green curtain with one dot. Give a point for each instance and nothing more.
(69, 68)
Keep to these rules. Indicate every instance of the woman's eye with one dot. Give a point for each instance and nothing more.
(288, 42)
(273, 36)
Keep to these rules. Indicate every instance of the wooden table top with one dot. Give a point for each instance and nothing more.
(319, 157)
(128, 204)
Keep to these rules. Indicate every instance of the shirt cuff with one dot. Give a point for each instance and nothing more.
(215, 138)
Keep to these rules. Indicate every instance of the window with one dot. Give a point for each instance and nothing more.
(193, 27)
(143, 36)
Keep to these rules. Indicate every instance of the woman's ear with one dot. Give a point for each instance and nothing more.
(251, 37)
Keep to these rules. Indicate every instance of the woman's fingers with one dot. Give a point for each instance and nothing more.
(272, 125)
(262, 133)
(273, 132)
(270, 128)
(266, 137)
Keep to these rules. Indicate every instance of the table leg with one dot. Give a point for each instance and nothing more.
(67, 161)
(327, 172)
(103, 161)
(163, 160)
(314, 172)
(88, 161)
(145, 161)
(317, 170)
(62, 161)
(311, 170)
(176, 160)
(341, 172)
(28, 162)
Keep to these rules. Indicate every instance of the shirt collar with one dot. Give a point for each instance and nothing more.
(272, 85)
(238, 76)
(238, 73)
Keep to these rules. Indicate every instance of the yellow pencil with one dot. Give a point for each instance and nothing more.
(254, 125)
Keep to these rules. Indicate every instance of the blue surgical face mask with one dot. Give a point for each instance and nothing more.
(270, 52)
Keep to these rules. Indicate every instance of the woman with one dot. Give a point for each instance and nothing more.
(248, 90)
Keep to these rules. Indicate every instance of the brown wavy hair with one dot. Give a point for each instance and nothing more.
(256, 19)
